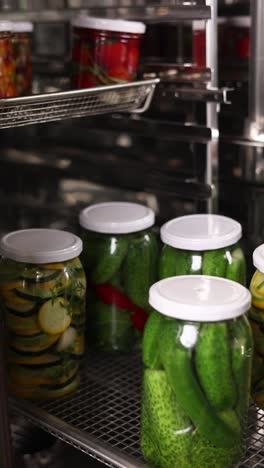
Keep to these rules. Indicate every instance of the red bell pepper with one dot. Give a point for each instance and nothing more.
(111, 295)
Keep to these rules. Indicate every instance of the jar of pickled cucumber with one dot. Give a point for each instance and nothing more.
(197, 353)
(256, 316)
(202, 245)
(42, 291)
(120, 257)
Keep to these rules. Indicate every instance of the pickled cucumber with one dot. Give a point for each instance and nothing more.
(217, 382)
(177, 361)
(109, 255)
(167, 262)
(215, 263)
(167, 430)
(110, 327)
(175, 262)
(151, 353)
(140, 269)
(241, 363)
(236, 269)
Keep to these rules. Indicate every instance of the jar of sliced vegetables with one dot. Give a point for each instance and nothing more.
(197, 353)
(202, 244)
(120, 258)
(42, 289)
(22, 41)
(256, 316)
(8, 86)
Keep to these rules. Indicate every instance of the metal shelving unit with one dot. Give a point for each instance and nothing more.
(133, 97)
(150, 12)
(103, 417)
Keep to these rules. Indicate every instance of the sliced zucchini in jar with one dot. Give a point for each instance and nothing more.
(33, 345)
(45, 290)
(53, 266)
(60, 391)
(24, 309)
(54, 316)
(22, 325)
(37, 275)
(45, 360)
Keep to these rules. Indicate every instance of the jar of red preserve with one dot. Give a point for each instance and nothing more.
(199, 43)
(105, 51)
(22, 50)
(7, 62)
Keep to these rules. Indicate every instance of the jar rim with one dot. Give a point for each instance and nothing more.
(258, 258)
(105, 24)
(116, 217)
(40, 245)
(201, 232)
(200, 298)
(22, 27)
(6, 26)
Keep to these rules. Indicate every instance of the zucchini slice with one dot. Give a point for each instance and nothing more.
(37, 275)
(65, 381)
(54, 317)
(33, 345)
(25, 326)
(42, 291)
(44, 360)
(53, 266)
(25, 309)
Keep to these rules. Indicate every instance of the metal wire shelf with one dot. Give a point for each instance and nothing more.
(41, 108)
(103, 417)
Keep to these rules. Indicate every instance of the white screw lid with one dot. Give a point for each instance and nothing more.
(105, 24)
(199, 298)
(258, 258)
(201, 232)
(40, 246)
(117, 217)
(6, 26)
(22, 27)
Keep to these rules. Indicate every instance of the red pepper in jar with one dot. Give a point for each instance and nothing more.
(105, 51)
(22, 53)
(7, 61)
(111, 295)
(199, 44)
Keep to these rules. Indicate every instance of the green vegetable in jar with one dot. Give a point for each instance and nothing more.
(197, 355)
(44, 311)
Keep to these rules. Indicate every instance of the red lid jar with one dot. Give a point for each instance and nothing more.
(105, 51)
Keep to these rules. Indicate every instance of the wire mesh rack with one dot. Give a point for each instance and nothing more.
(40, 108)
(103, 417)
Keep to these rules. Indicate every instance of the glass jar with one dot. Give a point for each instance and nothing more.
(104, 51)
(42, 290)
(199, 43)
(202, 244)
(7, 61)
(197, 353)
(120, 257)
(22, 41)
(256, 316)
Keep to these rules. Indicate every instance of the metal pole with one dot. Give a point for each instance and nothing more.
(6, 452)
(212, 108)
(255, 126)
